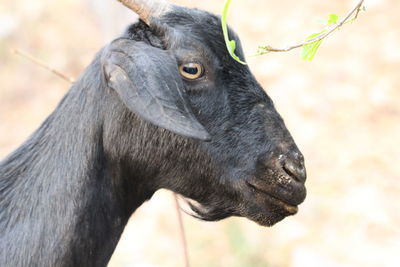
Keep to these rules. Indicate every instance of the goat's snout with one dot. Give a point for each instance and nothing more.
(284, 162)
(289, 163)
(281, 174)
(293, 165)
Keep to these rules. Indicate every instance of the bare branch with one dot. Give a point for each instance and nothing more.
(356, 10)
(43, 65)
(182, 231)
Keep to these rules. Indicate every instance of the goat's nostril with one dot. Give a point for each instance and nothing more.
(297, 171)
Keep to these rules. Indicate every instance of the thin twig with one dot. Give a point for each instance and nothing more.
(43, 65)
(182, 231)
(332, 28)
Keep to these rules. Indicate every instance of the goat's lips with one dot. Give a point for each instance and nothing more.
(291, 209)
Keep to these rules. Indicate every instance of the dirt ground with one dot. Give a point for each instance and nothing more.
(343, 110)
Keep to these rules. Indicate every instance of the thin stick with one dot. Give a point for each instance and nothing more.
(43, 65)
(333, 27)
(182, 231)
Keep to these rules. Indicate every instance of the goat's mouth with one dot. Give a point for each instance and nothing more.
(274, 200)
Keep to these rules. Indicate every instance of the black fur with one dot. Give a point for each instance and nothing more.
(68, 191)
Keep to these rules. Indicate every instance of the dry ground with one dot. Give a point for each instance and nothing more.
(343, 110)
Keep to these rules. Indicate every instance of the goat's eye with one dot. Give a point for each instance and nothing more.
(191, 71)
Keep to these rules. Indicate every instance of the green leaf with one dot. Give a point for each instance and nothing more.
(332, 19)
(309, 50)
(230, 44)
(311, 36)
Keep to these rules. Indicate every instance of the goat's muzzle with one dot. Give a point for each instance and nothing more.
(280, 179)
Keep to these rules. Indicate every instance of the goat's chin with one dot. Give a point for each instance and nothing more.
(210, 213)
(216, 213)
(267, 214)
(269, 219)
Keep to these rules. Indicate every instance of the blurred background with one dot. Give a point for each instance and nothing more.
(343, 110)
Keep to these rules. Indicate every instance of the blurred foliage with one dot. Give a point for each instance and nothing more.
(308, 50)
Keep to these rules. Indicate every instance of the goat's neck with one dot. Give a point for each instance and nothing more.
(61, 202)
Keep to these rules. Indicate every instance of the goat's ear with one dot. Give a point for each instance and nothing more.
(148, 82)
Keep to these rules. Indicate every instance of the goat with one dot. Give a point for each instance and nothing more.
(162, 106)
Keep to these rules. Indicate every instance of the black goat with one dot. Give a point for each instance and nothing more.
(163, 106)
